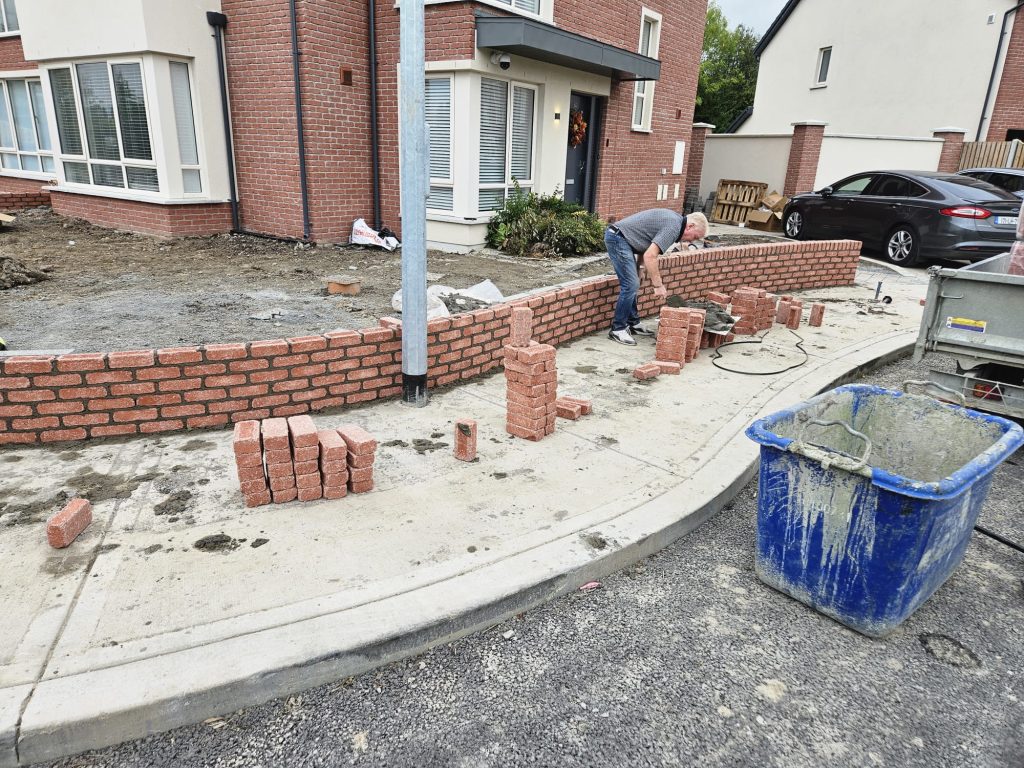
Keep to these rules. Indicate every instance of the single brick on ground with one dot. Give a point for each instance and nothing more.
(817, 315)
(465, 440)
(65, 526)
(647, 371)
(567, 409)
(586, 405)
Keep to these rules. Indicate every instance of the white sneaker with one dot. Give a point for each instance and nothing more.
(623, 337)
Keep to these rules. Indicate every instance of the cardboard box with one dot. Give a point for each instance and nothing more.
(774, 202)
(765, 221)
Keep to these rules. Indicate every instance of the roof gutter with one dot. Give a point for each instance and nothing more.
(995, 68)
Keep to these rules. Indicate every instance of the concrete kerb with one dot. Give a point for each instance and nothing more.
(100, 707)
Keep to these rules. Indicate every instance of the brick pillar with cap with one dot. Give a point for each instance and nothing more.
(952, 147)
(804, 153)
(695, 162)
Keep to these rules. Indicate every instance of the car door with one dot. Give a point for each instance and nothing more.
(836, 213)
(886, 201)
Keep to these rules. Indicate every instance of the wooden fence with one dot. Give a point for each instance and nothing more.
(992, 154)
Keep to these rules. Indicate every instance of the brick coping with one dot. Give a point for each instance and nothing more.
(49, 399)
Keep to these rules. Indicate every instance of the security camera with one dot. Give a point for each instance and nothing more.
(503, 60)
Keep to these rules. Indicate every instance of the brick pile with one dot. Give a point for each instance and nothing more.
(282, 460)
(755, 308)
(573, 407)
(532, 381)
(362, 450)
(673, 335)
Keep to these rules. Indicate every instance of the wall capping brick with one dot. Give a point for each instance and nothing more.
(42, 398)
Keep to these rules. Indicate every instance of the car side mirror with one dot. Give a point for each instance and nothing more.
(825, 192)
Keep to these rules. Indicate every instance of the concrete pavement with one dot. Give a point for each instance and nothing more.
(135, 629)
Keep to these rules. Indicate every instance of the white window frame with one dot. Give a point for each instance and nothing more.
(124, 162)
(8, 104)
(448, 183)
(4, 31)
(509, 183)
(204, 182)
(818, 81)
(644, 89)
(545, 12)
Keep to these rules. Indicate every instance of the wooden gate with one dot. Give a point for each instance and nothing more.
(992, 154)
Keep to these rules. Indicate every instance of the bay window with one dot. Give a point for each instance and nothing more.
(24, 130)
(507, 128)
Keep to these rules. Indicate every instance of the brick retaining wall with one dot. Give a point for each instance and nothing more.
(187, 220)
(81, 396)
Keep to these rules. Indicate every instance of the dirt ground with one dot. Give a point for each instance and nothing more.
(115, 290)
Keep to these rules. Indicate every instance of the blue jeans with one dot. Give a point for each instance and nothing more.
(625, 264)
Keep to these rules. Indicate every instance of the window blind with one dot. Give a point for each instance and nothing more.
(131, 111)
(493, 129)
(440, 198)
(98, 110)
(184, 119)
(67, 115)
(522, 133)
(438, 114)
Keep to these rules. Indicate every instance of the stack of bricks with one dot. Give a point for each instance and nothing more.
(532, 381)
(673, 335)
(362, 449)
(696, 334)
(333, 463)
(755, 308)
(713, 340)
(282, 460)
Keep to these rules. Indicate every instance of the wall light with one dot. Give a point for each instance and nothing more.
(558, 116)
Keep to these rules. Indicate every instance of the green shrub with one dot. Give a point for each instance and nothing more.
(544, 225)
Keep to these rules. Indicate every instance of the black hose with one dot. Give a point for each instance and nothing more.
(760, 340)
(1000, 539)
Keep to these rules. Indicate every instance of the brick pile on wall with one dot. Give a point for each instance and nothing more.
(89, 395)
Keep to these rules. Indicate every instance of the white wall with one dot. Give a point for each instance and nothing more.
(843, 156)
(745, 158)
(56, 31)
(899, 67)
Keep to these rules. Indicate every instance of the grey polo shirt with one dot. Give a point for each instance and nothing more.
(657, 225)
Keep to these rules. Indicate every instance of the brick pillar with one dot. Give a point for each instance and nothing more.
(695, 162)
(953, 145)
(803, 157)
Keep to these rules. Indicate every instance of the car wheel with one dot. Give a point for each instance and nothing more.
(795, 224)
(903, 247)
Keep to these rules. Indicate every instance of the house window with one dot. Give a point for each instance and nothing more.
(103, 125)
(506, 140)
(8, 17)
(24, 131)
(185, 125)
(530, 6)
(643, 94)
(439, 118)
(824, 59)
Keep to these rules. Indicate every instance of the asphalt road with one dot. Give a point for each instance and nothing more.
(683, 659)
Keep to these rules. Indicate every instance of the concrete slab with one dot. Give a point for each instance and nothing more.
(143, 631)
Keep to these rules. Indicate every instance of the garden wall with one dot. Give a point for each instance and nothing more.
(91, 395)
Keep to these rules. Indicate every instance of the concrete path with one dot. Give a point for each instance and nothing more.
(135, 629)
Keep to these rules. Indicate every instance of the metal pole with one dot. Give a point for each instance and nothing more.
(414, 160)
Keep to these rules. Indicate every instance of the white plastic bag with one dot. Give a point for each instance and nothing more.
(435, 307)
(364, 234)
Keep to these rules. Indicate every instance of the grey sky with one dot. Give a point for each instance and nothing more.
(756, 14)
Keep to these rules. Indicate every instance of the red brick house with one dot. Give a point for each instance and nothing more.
(116, 107)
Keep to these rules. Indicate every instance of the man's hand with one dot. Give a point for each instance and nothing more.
(660, 292)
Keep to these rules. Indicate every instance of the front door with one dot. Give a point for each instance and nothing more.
(581, 150)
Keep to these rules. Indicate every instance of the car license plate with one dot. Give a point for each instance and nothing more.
(1007, 220)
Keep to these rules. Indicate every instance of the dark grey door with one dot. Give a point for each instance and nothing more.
(580, 159)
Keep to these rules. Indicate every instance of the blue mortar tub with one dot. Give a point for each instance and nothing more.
(868, 541)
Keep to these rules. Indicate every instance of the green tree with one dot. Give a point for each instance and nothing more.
(728, 71)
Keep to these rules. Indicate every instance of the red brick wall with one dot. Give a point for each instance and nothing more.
(81, 396)
(804, 153)
(258, 43)
(695, 160)
(147, 218)
(1008, 111)
(18, 194)
(630, 163)
(12, 56)
(952, 148)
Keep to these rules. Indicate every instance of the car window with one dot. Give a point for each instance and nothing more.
(889, 186)
(1008, 181)
(915, 190)
(854, 186)
(976, 175)
(975, 190)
